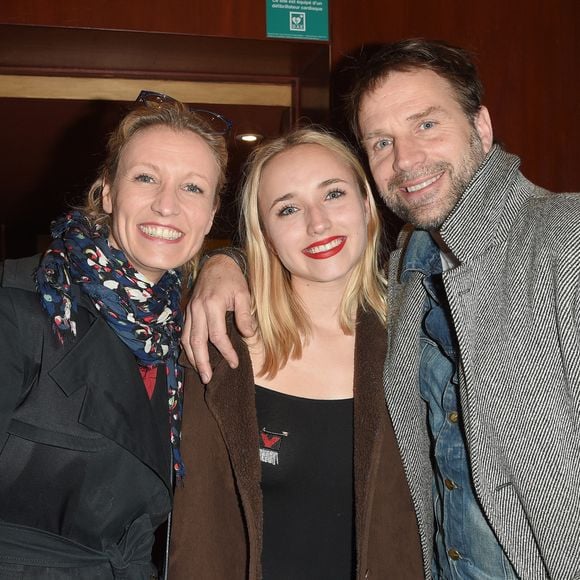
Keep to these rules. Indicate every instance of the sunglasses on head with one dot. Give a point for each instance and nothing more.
(217, 123)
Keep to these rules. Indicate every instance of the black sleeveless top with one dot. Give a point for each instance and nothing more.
(306, 451)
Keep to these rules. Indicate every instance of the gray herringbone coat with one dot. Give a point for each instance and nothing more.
(515, 303)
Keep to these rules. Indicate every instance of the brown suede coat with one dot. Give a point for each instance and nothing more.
(217, 522)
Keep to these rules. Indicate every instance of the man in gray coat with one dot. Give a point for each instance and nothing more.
(482, 378)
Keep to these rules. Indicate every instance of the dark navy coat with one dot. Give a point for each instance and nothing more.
(84, 454)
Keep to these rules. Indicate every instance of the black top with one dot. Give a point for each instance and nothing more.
(306, 450)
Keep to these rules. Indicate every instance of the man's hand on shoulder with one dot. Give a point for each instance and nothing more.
(220, 287)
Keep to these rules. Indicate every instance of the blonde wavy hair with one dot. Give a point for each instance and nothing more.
(171, 114)
(283, 324)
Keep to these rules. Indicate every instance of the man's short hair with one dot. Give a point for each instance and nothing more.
(454, 64)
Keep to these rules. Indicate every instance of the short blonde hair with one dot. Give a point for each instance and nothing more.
(283, 325)
(175, 116)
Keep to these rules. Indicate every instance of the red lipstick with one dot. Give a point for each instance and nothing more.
(325, 248)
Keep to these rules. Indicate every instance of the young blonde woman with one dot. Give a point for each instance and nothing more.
(91, 388)
(298, 473)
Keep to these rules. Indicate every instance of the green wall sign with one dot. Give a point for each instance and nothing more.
(306, 19)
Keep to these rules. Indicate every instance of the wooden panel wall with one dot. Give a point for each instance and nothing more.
(528, 55)
(233, 18)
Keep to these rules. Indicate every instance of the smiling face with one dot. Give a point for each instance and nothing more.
(313, 214)
(162, 200)
(423, 150)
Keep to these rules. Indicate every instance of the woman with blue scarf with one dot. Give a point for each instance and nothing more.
(90, 386)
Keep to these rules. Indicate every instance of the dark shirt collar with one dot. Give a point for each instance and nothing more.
(422, 255)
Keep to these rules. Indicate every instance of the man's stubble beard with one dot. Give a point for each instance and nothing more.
(435, 216)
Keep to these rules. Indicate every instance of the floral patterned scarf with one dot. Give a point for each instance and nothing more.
(145, 316)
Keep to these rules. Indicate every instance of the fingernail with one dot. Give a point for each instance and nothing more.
(204, 378)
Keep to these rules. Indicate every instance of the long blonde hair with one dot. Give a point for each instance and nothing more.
(283, 324)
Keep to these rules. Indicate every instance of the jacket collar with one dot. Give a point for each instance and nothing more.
(232, 396)
(482, 216)
(116, 403)
(422, 255)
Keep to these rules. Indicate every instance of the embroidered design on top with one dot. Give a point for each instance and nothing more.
(270, 443)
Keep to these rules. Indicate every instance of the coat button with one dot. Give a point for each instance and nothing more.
(453, 416)
(453, 554)
(450, 484)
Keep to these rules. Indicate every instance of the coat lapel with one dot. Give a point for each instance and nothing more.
(369, 407)
(233, 402)
(231, 398)
(116, 403)
(401, 379)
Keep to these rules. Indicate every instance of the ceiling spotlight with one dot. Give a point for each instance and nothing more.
(249, 137)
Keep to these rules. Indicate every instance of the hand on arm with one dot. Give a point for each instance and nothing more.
(220, 287)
